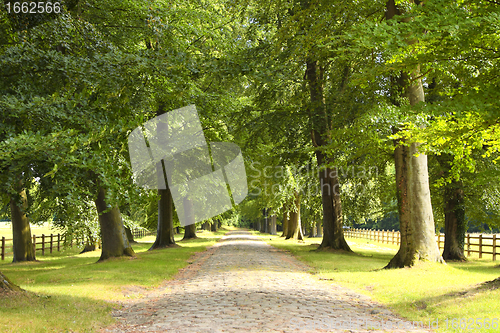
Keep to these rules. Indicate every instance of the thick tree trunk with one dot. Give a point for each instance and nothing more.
(165, 229)
(130, 235)
(272, 230)
(329, 182)
(214, 226)
(419, 234)
(406, 253)
(294, 227)
(422, 218)
(312, 230)
(190, 232)
(319, 229)
(21, 232)
(333, 232)
(7, 285)
(114, 237)
(190, 228)
(454, 222)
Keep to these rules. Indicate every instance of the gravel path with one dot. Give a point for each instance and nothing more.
(244, 285)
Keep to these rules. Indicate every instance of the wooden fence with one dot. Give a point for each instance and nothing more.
(139, 233)
(53, 242)
(486, 243)
(40, 243)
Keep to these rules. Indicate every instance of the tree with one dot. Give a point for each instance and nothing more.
(414, 201)
(114, 238)
(22, 245)
(165, 229)
(294, 229)
(301, 74)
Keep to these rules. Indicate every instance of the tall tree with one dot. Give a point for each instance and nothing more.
(294, 230)
(22, 245)
(114, 238)
(416, 216)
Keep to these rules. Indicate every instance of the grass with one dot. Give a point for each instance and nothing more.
(423, 293)
(70, 292)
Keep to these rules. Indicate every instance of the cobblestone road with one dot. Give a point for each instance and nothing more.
(244, 285)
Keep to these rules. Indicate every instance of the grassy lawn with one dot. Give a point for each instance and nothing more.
(73, 293)
(423, 293)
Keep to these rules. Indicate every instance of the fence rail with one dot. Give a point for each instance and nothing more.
(486, 243)
(139, 233)
(40, 243)
(53, 242)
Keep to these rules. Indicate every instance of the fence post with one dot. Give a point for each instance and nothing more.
(3, 248)
(51, 241)
(494, 247)
(43, 244)
(34, 244)
(439, 240)
(468, 245)
(58, 242)
(480, 246)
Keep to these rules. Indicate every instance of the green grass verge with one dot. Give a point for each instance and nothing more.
(70, 292)
(422, 293)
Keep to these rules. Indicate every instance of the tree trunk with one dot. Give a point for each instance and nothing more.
(319, 229)
(90, 244)
(286, 220)
(21, 232)
(165, 229)
(454, 222)
(312, 230)
(190, 232)
(422, 218)
(294, 227)
(89, 247)
(273, 225)
(190, 227)
(406, 253)
(214, 225)
(130, 235)
(114, 237)
(329, 182)
(7, 285)
(414, 200)
(333, 232)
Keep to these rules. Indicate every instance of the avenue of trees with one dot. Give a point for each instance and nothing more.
(346, 111)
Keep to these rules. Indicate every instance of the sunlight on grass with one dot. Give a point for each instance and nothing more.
(426, 292)
(82, 292)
